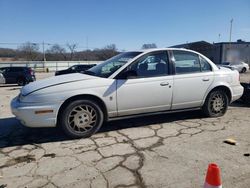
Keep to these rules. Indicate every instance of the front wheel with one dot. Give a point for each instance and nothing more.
(81, 118)
(216, 103)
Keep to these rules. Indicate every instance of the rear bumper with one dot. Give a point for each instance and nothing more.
(28, 116)
(237, 92)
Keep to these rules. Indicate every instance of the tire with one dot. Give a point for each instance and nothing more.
(21, 81)
(81, 118)
(244, 70)
(216, 104)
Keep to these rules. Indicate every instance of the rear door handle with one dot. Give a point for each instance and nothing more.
(205, 79)
(164, 84)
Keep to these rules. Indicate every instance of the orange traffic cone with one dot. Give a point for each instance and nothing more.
(213, 179)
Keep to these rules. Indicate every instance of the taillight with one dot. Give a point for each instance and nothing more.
(31, 71)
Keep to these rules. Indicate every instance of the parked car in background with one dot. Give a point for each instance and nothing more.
(239, 66)
(17, 75)
(75, 69)
(131, 84)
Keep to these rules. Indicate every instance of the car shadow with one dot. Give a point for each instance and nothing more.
(12, 133)
(15, 88)
(9, 85)
(150, 120)
(240, 103)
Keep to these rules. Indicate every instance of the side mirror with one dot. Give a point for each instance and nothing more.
(129, 74)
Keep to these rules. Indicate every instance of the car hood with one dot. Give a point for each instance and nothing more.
(53, 81)
(62, 71)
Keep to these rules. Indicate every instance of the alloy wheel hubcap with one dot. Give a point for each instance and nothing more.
(217, 103)
(82, 118)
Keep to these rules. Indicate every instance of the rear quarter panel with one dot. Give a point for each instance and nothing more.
(224, 77)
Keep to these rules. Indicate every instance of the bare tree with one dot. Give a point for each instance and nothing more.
(29, 51)
(148, 46)
(6, 52)
(111, 47)
(57, 52)
(106, 52)
(72, 47)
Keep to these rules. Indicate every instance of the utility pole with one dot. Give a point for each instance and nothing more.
(219, 37)
(44, 58)
(87, 42)
(231, 27)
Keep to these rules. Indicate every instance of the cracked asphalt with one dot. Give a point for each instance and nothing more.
(163, 151)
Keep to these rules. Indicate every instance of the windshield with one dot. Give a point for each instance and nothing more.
(111, 65)
(225, 63)
(72, 67)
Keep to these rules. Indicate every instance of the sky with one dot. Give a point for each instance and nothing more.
(127, 23)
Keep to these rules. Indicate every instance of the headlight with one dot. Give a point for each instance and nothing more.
(20, 97)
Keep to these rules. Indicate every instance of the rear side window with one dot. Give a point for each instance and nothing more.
(186, 62)
(205, 66)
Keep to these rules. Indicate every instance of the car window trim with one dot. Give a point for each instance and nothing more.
(171, 62)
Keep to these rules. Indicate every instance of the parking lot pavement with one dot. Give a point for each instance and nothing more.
(170, 150)
(245, 78)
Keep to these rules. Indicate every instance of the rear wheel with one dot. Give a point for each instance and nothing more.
(81, 118)
(216, 104)
(21, 81)
(244, 70)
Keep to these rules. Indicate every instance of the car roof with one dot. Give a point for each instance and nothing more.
(159, 49)
(165, 49)
(144, 51)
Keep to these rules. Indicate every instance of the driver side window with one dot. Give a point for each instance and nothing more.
(151, 65)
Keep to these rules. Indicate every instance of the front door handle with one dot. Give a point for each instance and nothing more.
(164, 84)
(205, 79)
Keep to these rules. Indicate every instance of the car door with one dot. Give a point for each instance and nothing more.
(149, 90)
(14, 74)
(193, 76)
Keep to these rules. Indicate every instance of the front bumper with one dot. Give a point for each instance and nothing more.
(28, 116)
